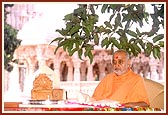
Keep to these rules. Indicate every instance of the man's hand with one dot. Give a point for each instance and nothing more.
(83, 98)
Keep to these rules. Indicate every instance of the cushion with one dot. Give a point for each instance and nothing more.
(155, 93)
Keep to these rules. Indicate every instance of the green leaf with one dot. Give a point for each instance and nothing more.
(101, 29)
(148, 49)
(88, 49)
(68, 16)
(92, 9)
(118, 20)
(140, 23)
(75, 35)
(75, 19)
(104, 42)
(149, 45)
(120, 32)
(107, 31)
(96, 29)
(86, 30)
(96, 39)
(127, 25)
(83, 16)
(142, 44)
(132, 33)
(137, 48)
(69, 25)
(90, 55)
(126, 17)
(132, 49)
(56, 39)
(156, 52)
(80, 52)
(111, 17)
(78, 11)
(65, 46)
(104, 7)
(96, 19)
(113, 6)
(132, 40)
(151, 33)
(63, 43)
(62, 32)
(70, 45)
(138, 32)
(107, 24)
(161, 43)
(116, 43)
(158, 37)
(72, 51)
(10, 41)
(123, 42)
(77, 43)
(75, 29)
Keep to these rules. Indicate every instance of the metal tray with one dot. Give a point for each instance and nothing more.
(44, 102)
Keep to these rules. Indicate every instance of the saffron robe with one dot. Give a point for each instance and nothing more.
(128, 87)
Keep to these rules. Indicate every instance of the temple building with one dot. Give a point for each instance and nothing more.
(35, 52)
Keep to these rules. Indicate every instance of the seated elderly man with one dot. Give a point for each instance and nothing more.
(123, 85)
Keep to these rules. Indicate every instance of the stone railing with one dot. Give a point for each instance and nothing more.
(83, 86)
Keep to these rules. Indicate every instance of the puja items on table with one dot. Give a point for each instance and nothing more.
(43, 89)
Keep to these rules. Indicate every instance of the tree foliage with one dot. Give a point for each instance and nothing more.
(10, 42)
(82, 33)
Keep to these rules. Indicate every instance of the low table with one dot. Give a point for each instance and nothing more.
(19, 106)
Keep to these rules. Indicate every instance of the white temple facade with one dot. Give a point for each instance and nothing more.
(35, 52)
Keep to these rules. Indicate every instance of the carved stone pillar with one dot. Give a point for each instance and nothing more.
(40, 53)
(57, 71)
(14, 92)
(29, 78)
(153, 67)
(76, 70)
(6, 81)
(160, 67)
(41, 61)
(31, 65)
(160, 72)
(70, 71)
(102, 66)
(57, 68)
(83, 72)
(90, 76)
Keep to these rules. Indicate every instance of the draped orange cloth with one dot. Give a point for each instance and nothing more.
(128, 87)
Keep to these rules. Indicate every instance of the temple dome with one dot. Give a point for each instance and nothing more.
(37, 31)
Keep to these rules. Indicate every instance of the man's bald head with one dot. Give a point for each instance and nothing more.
(120, 62)
(123, 52)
